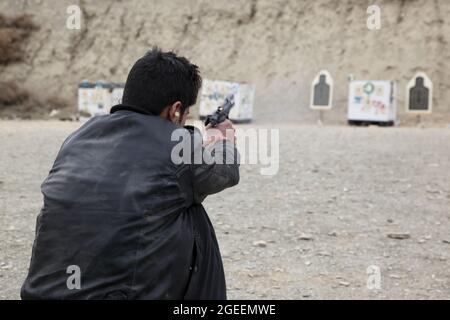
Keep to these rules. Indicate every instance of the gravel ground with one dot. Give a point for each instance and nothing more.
(309, 232)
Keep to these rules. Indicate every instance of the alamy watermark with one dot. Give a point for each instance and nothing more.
(374, 277)
(374, 19)
(73, 21)
(254, 146)
(73, 282)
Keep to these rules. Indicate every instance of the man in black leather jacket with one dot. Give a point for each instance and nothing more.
(121, 219)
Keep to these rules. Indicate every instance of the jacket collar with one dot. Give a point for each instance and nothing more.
(130, 108)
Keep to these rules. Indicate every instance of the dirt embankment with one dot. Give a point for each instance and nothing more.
(278, 45)
(16, 101)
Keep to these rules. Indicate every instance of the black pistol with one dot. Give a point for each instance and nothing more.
(222, 112)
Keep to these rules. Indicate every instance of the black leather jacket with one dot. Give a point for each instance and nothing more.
(117, 207)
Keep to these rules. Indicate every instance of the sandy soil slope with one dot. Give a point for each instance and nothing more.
(279, 45)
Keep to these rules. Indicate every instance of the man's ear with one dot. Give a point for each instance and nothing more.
(174, 112)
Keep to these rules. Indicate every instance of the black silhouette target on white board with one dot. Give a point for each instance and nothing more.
(322, 91)
(419, 94)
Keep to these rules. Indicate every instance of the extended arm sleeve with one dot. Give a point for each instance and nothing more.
(218, 170)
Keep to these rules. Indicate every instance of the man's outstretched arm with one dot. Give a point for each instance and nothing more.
(219, 168)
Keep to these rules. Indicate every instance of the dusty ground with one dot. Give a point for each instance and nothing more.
(345, 189)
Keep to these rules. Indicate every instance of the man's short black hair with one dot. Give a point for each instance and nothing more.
(159, 79)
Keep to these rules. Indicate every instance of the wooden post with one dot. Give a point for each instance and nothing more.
(320, 122)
